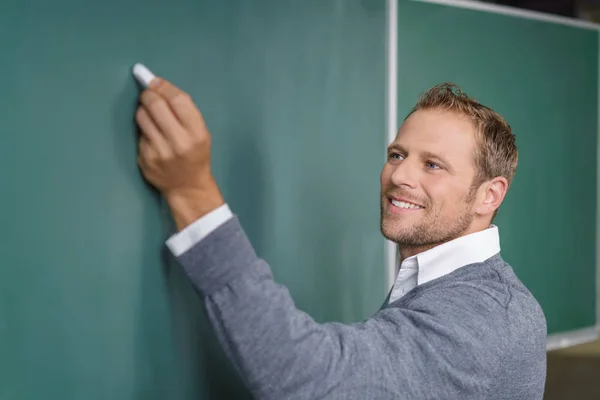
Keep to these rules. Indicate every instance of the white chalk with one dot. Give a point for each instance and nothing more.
(143, 75)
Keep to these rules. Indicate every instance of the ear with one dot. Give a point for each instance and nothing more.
(491, 195)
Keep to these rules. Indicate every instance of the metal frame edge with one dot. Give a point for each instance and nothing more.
(563, 340)
(598, 192)
(516, 12)
(391, 115)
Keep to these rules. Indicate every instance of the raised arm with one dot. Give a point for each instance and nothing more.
(280, 351)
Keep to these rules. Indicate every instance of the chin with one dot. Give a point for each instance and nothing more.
(392, 230)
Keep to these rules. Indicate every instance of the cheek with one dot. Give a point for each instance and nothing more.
(386, 176)
(446, 197)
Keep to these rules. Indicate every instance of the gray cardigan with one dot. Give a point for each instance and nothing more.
(476, 333)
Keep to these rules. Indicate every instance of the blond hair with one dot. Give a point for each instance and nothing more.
(496, 152)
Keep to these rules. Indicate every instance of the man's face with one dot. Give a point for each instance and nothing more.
(426, 184)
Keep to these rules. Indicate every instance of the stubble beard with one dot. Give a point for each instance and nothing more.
(431, 230)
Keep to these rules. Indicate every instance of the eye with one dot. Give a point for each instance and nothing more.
(432, 165)
(395, 156)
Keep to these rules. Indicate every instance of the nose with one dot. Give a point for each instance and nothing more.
(405, 174)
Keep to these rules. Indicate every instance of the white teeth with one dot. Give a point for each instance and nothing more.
(403, 204)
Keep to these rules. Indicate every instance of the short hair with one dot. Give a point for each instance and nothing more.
(496, 152)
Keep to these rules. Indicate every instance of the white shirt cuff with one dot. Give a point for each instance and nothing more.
(192, 234)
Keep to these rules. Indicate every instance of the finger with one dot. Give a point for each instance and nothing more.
(147, 154)
(181, 103)
(151, 134)
(143, 151)
(144, 147)
(148, 127)
(162, 114)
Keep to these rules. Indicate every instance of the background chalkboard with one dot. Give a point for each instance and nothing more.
(91, 307)
(543, 78)
(294, 92)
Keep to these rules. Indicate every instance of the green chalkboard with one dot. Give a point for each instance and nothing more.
(543, 77)
(91, 304)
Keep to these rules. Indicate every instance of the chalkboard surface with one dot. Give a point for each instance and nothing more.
(91, 306)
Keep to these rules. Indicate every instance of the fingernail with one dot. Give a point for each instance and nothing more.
(154, 83)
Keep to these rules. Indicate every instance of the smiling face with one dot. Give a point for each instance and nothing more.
(427, 191)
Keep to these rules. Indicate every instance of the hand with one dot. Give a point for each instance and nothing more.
(174, 151)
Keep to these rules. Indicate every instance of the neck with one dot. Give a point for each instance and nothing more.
(409, 251)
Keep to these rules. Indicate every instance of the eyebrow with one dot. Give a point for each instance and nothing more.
(395, 146)
(430, 155)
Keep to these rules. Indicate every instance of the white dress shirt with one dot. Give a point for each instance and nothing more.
(414, 271)
(445, 258)
(185, 239)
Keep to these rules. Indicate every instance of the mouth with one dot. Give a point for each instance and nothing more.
(403, 205)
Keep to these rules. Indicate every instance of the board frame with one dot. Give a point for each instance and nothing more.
(391, 249)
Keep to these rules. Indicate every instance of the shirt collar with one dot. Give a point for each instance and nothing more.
(448, 257)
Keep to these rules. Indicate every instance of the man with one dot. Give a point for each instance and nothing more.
(458, 324)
